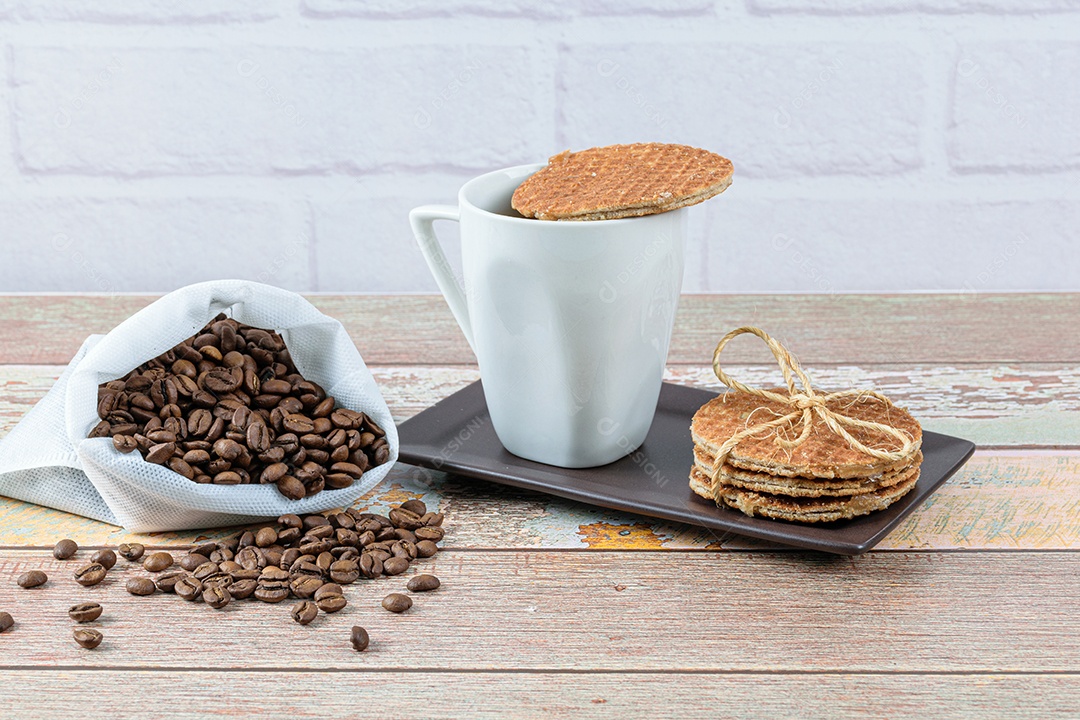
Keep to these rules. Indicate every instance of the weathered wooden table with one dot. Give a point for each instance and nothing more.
(555, 609)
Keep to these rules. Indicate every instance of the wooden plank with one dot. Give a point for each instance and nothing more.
(862, 329)
(1026, 405)
(999, 502)
(201, 694)
(545, 611)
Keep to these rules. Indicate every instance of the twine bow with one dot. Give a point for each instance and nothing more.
(804, 405)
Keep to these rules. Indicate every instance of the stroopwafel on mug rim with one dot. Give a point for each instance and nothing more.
(619, 181)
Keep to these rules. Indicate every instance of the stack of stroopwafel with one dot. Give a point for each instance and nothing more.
(783, 453)
(619, 181)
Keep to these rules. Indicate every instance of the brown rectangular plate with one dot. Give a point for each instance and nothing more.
(456, 436)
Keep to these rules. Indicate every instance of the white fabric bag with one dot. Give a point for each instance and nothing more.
(48, 460)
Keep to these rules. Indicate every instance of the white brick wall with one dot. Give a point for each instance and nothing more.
(879, 145)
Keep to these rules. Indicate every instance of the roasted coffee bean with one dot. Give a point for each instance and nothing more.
(166, 582)
(6, 621)
(288, 536)
(107, 404)
(64, 549)
(140, 586)
(158, 561)
(328, 590)
(188, 588)
(85, 612)
(395, 565)
(271, 594)
(304, 566)
(266, 537)
(320, 532)
(161, 436)
(206, 569)
(274, 472)
(403, 534)
(222, 554)
(405, 519)
(330, 604)
(370, 566)
(432, 519)
(105, 558)
(243, 589)
(347, 468)
(131, 551)
(220, 380)
(324, 408)
(125, 443)
(338, 481)
(324, 560)
(347, 537)
(345, 552)
(191, 561)
(404, 549)
(160, 453)
(298, 423)
(345, 572)
(273, 574)
(397, 603)
(378, 552)
(291, 488)
(90, 575)
(250, 557)
(304, 612)
(416, 507)
(291, 521)
(227, 449)
(87, 637)
(32, 579)
(359, 638)
(228, 477)
(181, 467)
(223, 580)
(216, 596)
(426, 549)
(423, 583)
(305, 586)
(258, 437)
(433, 533)
(276, 387)
(196, 457)
(238, 573)
(291, 555)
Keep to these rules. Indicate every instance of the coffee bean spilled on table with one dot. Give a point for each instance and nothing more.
(309, 558)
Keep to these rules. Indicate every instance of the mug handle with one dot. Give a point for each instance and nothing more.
(422, 219)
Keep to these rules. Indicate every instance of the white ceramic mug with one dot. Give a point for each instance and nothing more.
(570, 321)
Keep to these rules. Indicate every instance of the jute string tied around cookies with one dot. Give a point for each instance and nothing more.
(804, 405)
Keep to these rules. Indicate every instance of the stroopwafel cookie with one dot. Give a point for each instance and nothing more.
(796, 454)
(621, 181)
(802, 509)
(822, 455)
(796, 486)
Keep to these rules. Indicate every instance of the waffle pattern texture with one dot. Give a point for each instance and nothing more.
(621, 181)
